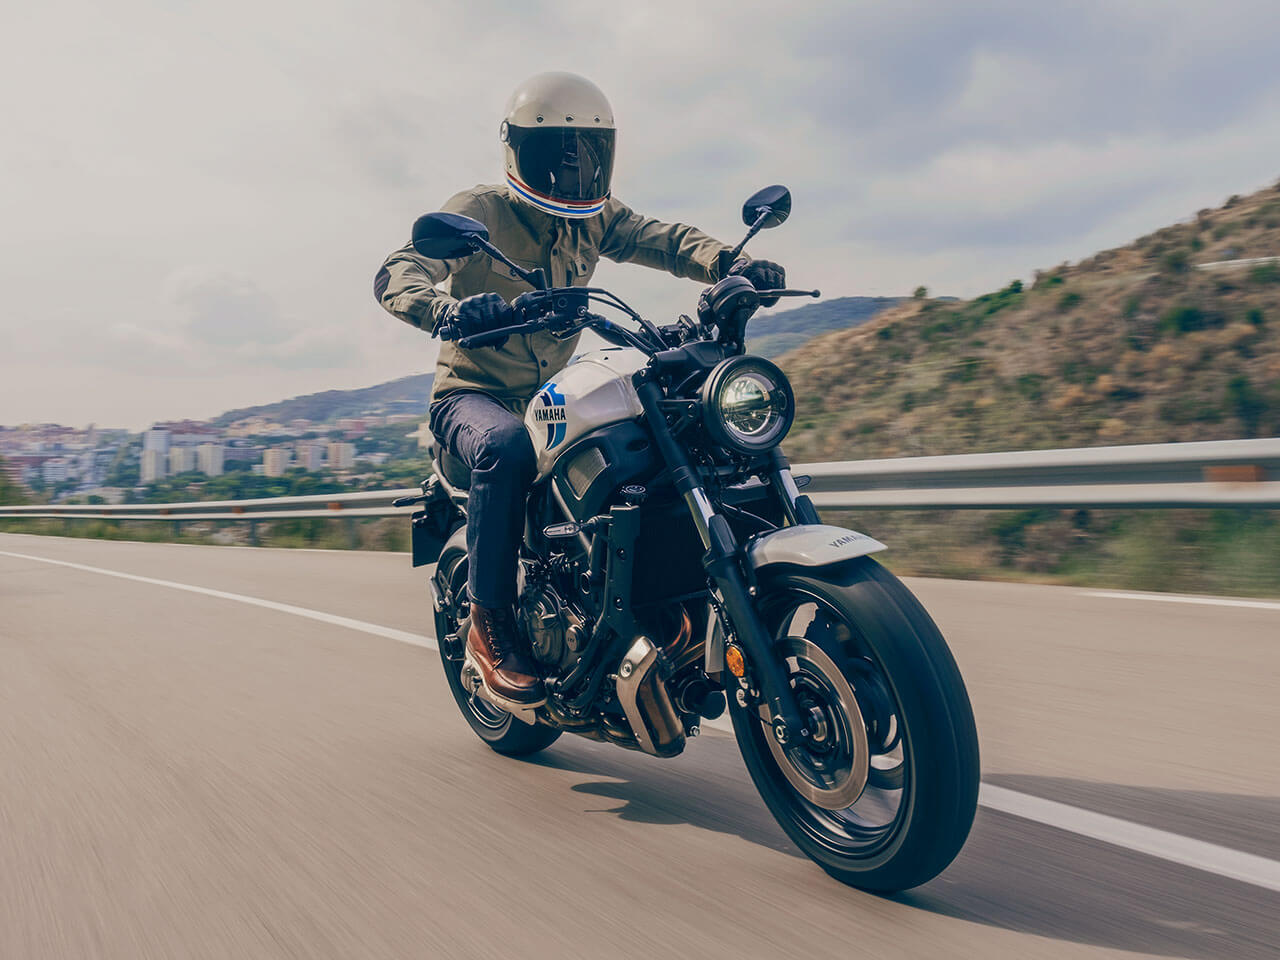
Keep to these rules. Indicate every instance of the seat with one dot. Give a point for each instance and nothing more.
(457, 473)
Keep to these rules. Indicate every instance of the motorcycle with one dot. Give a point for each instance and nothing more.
(671, 567)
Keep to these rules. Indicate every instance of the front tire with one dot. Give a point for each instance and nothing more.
(915, 790)
(502, 731)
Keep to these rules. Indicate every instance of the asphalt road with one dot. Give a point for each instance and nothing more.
(189, 775)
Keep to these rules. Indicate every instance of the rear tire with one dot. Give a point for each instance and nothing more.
(914, 814)
(502, 731)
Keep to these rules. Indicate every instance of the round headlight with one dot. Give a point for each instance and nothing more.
(748, 404)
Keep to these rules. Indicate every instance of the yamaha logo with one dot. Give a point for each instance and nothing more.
(845, 540)
(548, 408)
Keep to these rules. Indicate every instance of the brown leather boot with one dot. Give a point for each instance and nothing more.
(508, 671)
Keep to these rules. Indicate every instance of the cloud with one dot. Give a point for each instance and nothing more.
(208, 189)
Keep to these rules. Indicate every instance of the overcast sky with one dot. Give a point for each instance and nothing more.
(195, 196)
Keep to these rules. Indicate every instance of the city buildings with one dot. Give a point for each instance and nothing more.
(56, 470)
(342, 456)
(152, 465)
(275, 461)
(181, 459)
(209, 457)
(311, 455)
(156, 439)
(59, 463)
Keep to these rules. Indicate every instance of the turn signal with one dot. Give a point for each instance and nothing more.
(733, 660)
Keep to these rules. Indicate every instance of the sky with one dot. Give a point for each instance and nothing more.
(194, 197)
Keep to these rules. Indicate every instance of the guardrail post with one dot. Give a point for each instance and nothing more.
(353, 535)
(253, 533)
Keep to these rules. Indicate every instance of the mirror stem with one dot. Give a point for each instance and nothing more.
(535, 278)
(755, 228)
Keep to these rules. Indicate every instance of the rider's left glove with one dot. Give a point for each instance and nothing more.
(763, 274)
(480, 314)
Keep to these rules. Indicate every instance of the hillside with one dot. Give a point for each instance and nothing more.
(1133, 345)
(406, 395)
(774, 333)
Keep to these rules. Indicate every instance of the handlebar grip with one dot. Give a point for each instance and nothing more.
(447, 331)
(487, 339)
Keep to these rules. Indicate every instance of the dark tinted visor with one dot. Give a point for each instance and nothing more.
(564, 163)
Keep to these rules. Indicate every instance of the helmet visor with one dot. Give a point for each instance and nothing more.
(570, 164)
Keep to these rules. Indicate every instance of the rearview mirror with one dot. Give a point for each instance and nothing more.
(446, 236)
(774, 202)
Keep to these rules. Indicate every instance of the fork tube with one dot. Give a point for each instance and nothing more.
(721, 563)
(798, 507)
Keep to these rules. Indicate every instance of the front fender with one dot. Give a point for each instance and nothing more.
(809, 545)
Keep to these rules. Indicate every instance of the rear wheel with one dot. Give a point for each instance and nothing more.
(882, 795)
(502, 731)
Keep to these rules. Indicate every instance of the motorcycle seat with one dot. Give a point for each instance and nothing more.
(454, 470)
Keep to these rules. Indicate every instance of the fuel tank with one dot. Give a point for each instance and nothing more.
(591, 392)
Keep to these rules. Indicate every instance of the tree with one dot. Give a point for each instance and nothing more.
(920, 293)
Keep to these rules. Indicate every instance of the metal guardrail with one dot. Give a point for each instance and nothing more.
(1220, 473)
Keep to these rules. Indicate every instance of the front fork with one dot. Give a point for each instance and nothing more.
(722, 562)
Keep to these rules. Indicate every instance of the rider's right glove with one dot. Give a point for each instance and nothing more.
(480, 314)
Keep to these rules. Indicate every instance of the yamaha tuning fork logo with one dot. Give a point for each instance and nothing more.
(550, 410)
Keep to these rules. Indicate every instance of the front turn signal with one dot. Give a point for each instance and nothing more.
(733, 660)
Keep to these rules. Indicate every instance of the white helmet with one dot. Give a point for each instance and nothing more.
(558, 134)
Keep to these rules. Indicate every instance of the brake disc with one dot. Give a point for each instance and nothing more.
(830, 772)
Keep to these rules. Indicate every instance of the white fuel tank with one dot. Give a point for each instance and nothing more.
(589, 393)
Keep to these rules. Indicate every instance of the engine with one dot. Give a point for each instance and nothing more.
(557, 632)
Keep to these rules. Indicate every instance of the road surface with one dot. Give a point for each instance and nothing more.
(268, 763)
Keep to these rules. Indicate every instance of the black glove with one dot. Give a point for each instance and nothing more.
(480, 314)
(763, 274)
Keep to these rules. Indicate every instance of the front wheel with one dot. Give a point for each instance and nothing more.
(882, 793)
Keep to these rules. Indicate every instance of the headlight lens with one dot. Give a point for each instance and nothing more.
(749, 404)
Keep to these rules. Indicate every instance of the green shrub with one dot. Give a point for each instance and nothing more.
(1068, 300)
(1266, 273)
(965, 370)
(1246, 403)
(1176, 261)
(1031, 386)
(1184, 319)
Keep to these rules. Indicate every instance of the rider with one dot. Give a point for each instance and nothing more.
(555, 211)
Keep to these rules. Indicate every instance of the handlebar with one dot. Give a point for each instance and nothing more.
(535, 312)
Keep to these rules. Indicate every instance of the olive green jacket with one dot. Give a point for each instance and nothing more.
(568, 250)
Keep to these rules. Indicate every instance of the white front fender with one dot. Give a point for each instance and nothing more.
(809, 545)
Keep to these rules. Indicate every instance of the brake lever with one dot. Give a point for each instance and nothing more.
(789, 293)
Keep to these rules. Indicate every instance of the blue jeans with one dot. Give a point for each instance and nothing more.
(493, 442)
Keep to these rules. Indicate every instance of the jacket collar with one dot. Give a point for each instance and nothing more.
(538, 223)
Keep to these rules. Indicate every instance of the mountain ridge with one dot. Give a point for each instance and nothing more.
(1131, 345)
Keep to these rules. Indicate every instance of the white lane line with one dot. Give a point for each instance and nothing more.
(1172, 847)
(1210, 857)
(1182, 598)
(45, 538)
(404, 636)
